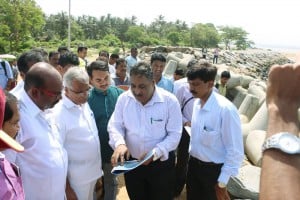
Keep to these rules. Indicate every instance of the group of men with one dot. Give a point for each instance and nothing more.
(76, 125)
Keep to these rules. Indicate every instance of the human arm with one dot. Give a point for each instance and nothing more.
(280, 175)
(71, 195)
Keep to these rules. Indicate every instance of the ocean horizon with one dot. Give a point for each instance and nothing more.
(279, 48)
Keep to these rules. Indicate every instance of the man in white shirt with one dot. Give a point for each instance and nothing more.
(79, 134)
(216, 144)
(43, 164)
(146, 117)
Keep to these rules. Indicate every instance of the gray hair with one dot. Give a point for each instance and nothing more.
(75, 73)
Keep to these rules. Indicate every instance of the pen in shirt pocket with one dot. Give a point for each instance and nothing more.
(155, 120)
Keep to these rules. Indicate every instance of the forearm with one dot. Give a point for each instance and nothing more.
(279, 168)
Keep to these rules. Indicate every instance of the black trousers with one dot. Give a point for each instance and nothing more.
(152, 182)
(181, 162)
(201, 179)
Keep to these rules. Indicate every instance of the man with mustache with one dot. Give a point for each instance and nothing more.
(102, 100)
(216, 143)
(120, 77)
(146, 118)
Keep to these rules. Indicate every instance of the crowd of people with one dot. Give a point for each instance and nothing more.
(75, 120)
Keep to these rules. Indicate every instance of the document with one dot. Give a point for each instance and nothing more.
(131, 164)
(188, 130)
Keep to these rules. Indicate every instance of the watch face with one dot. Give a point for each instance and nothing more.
(289, 144)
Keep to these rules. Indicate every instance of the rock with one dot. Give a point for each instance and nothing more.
(246, 184)
(254, 142)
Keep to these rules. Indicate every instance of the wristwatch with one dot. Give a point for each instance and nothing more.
(284, 141)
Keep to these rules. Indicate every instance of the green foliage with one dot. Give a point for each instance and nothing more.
(204, 36)
(174, 38)
(234, 35)
(20, 20)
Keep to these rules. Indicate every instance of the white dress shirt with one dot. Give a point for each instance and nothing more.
(216, 135)
(156, 125)
(186, 100)
(79, 134)
(16, 91)
(43, 164)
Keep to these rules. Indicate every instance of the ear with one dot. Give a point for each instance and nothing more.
(34, 93)
(211, 83)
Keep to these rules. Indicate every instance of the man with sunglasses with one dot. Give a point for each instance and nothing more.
(44, 162)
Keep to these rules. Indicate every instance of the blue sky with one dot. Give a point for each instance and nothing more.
(268, 22)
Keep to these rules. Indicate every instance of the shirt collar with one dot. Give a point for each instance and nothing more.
(68, 103)
(208, 106)
(156, 97)
(29, 105)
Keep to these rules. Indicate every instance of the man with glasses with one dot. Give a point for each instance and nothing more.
(79, 133)
(43, 164)
(102, 100)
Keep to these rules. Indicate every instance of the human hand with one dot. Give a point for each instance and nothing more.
(70, 194)
(283, 87)
(147, 162)
(221, 193)
(188, 124)
(119, 154)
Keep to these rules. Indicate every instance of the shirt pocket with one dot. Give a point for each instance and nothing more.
(210, 138)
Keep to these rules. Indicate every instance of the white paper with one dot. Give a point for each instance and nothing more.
(131, 164)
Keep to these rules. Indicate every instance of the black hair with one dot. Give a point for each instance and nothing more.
(29, 57)
(53, 53)
(62, 48)
(225, 74)
(179, 72)
(119, 61)
(113, 55)
(8, 112)
(142, 69)
(81, 48)
(68, 58)
(104, 53)
(97, 65)
(203, 71)
(159, 57)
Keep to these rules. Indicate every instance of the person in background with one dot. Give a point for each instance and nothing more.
(216, 142)
(112, 63)
(146, 118)
(158, 63)
(44, 162)
(62, 50)
(120, 77)
(54, 58)
(79, 133)
(280, 171)
(6, 75)
(102, 100)
(10, 179)
(216, 55)
(82, 53)
(67, 61)
(178, 74)
(222, 86)
(132, 59)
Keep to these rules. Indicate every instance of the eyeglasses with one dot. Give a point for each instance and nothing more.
(81, 93)
(50, 93)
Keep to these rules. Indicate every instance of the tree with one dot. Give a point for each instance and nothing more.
(136, 34)
(21, 21)
(234, 35)
(174, 38)
(204, 35)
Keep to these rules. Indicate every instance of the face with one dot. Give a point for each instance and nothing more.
(54, 60)
(224, 80)
(49, 95)
(78, 93)
(121, 69)
(83, 53)
(158, 68)
(134, 53)
(177, 77)
(100, 79)
(11, 127)
(142, 88)
(200, 89)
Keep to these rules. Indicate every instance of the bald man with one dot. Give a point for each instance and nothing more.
(43, 164)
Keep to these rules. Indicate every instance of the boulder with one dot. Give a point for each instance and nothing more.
(254, 142)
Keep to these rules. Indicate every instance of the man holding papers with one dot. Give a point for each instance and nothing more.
(146, 118)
